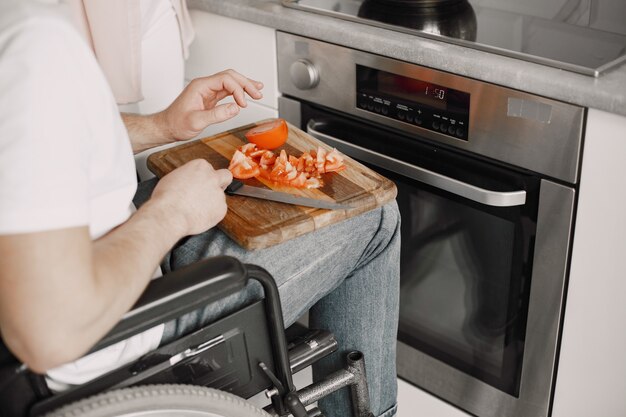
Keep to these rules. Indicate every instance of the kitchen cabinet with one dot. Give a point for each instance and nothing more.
(591, 377)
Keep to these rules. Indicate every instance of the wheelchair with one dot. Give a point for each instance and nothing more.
(209, 372)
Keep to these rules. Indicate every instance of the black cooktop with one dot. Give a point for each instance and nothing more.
(585, 36)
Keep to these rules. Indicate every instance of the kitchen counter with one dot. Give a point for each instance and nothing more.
(607, 92)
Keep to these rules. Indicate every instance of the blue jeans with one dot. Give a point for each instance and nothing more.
(346, 275)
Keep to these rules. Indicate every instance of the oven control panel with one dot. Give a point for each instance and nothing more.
(410, 100)
(451, 124)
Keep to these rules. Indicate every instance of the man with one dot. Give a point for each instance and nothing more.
(75, 258)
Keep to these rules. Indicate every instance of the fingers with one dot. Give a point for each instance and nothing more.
(230, 82)
(198, 120)
(250, 86)
(224, 178)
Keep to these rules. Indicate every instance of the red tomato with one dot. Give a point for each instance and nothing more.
(242, 173)
(334, 162)
(243, 167)
(267, 159)
(269, 135)
(304, 172)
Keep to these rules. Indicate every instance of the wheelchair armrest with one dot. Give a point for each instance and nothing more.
(177, 293)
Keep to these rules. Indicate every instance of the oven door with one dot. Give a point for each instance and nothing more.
(484, 255)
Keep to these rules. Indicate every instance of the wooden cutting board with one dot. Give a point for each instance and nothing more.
(257, 224)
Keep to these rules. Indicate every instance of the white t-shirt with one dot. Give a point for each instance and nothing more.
(65, 156)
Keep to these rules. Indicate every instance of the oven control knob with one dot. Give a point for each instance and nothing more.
(304, 74)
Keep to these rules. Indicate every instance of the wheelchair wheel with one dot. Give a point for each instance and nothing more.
(161, 401)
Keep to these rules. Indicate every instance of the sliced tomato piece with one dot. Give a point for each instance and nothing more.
(334, 161)
(299, 181)
(237, 159)
(313, 183)
(290, 172)
(267, 159)
(282, 157)
(278, 172)
(269, 135)
(242, 167)
(248, 148)
(293, 160)
(309, 162)
(244, 172)
(320, 161)
(265, 173)
(257, 154)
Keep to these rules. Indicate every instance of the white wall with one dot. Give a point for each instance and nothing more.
(591, 379)
(222, 43)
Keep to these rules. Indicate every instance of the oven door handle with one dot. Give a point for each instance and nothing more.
(451, 185)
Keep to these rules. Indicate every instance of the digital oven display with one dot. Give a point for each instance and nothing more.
(410, 100)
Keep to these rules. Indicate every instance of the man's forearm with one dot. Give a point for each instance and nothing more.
(146, 132)
(61, 293)
(126, 258)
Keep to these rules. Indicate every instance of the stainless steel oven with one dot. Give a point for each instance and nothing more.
(486, 182)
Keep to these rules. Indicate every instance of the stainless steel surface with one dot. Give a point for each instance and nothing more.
(281, 197)
(554, 226)
(480, 195)
(353, 375)
(519, 129)
(289, 110)
(523, 130)
(304, 74)
(535, 35)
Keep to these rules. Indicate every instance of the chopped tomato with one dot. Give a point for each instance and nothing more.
(282, 157)
(320, 161)
(267, 159)
(303, 172)
(313, 183)
(243, 167)
(334, 162)
(300, 180)
(248, 148)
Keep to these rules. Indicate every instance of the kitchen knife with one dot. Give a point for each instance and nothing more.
(239, 188)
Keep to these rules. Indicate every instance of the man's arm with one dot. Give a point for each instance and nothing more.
(193, 110)
(60, 292)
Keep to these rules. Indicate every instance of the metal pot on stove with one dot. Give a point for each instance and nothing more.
(452, 18)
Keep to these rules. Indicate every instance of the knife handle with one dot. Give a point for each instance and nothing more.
(233, 186)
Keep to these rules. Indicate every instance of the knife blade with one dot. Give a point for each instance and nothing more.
(239, 188)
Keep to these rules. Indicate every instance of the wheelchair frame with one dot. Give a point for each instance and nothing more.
(23, 393)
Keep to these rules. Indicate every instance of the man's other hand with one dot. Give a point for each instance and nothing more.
(193, 196)
(198, 105)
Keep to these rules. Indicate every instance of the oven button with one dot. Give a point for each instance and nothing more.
(401, 115)
(377, 109)
(451, 130)
(304, 74)
(385, 110)
(418, 121)
(460, 132)
(436, 124)
(409, 118)
(362, 104)
(444, 127)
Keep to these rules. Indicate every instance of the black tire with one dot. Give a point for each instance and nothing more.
(161, 401)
